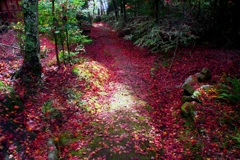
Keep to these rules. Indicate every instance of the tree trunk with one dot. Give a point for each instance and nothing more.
(115, 9)
(135, 9)
(31, 67)
(94, 8)
(236, 17)
(121, 8)
(124, 11)
(55, 24)
(156, 10)
(102, 7)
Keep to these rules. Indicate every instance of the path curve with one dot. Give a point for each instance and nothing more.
(125, 129)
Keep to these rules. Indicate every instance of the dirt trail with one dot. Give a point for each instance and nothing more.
(124, 129)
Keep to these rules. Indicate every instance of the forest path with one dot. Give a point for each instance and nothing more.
(129, 63)
(122, 127)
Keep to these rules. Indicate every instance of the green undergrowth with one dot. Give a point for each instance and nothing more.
(4, 88)
(50, 112)
(66, 138)
(11, 124)
(229, 90)
(12, 103)
(198, 126)
(72, 57)
(160, 37)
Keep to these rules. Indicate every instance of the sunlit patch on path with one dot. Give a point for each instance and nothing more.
(123, 98)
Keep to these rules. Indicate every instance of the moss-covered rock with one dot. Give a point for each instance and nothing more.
(206, 75)
(189, 85)
(92, 72)
(186, 99)
(203, 93)
(192, 86)
(187, 109)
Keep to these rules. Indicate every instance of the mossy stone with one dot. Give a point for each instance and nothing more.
(187, 109)
(188, 89)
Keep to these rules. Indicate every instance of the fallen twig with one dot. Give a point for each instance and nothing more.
(5, 45)
(3, 50)
(174, 55)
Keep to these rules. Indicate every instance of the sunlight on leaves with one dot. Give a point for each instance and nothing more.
(123, 98)
(93, 72)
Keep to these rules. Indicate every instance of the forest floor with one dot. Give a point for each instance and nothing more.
(116, 102)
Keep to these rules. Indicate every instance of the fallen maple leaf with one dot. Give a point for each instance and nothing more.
(16, 107)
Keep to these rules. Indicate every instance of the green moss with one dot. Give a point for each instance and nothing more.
(187, 110)
(117, 155)
(132, 155)
(12, 104)
(50, 112)
(81, 152)
(141, 118)
(67, 138)
(75, 70)
(148, 108)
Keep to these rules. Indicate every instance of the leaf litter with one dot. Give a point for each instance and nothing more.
(121, 103)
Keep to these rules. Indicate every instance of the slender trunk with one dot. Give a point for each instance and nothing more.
(67, 41)
(121, 7)
(124, 11)
(102, 7)
(93, 8)
(98, 12)
(54, 35)
(199, 10)
(66, 31)
(236, 17)
(156, 10)
(63, 50)
(135, 10)
(115, 9)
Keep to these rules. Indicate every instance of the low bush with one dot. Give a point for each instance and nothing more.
(97, 19)
(230, 90)
(160, 38)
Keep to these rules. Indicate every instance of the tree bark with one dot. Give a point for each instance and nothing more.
(31, 67)
(156, 10)
(115, 9)
(55, 24)
(124, 11)
(121, 7)
(102, 7)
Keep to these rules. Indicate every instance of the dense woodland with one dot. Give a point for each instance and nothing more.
(120, 80)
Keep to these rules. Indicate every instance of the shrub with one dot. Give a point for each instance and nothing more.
(97, 19)
(11, 104)
(160, 38)
(4, 88)
(69, 24)
(230, 90)
(50, 112)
